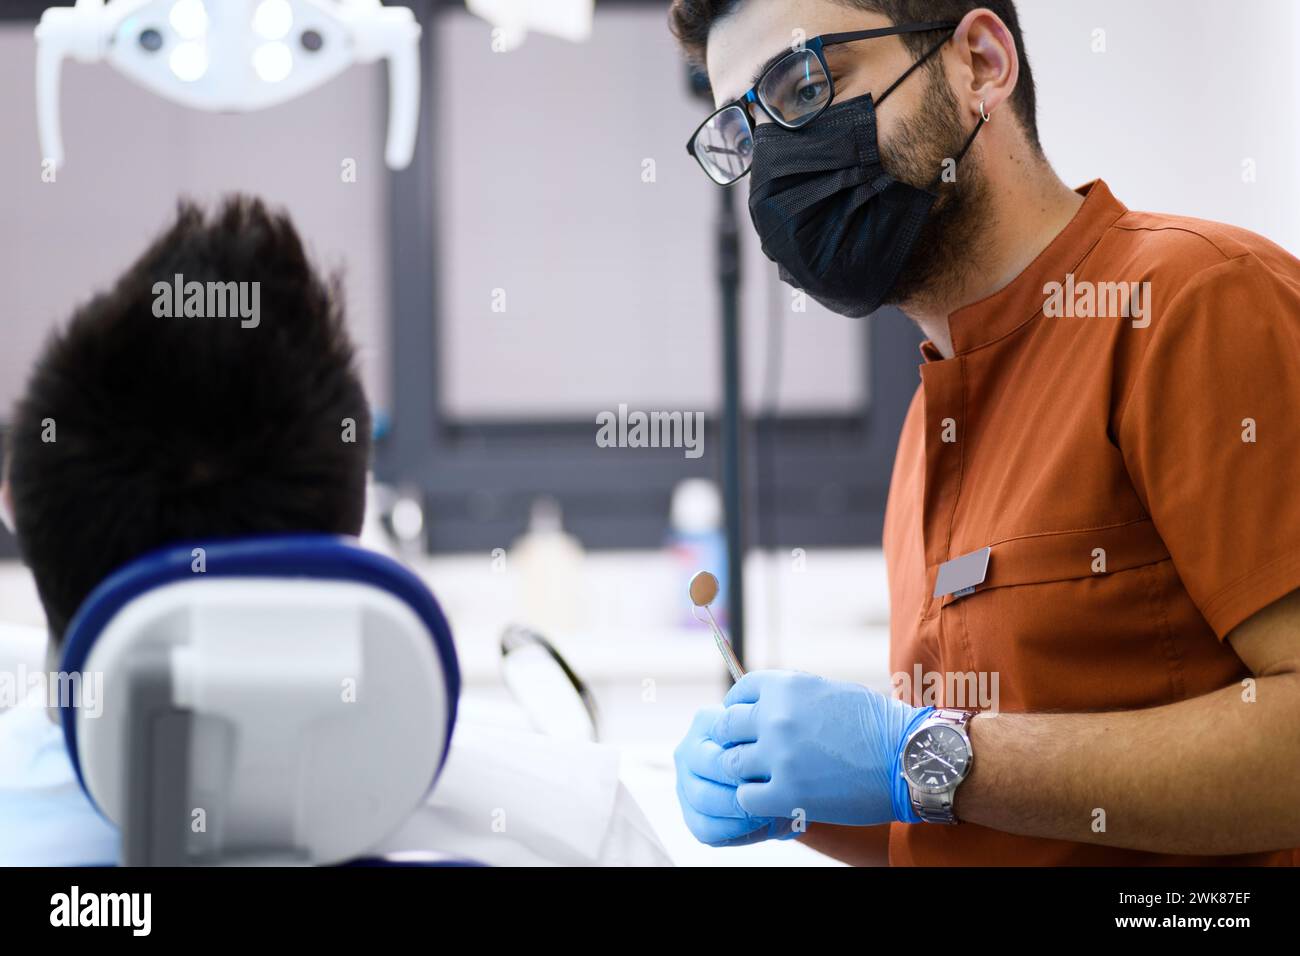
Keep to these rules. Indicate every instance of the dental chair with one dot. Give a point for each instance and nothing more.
(280, 700)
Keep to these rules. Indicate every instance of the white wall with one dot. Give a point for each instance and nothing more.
(1185, 92)
(608, 278)
(131, 155)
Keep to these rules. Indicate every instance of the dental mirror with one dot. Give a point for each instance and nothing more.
(703, 590)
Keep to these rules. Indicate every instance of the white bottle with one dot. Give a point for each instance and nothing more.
(548, 563)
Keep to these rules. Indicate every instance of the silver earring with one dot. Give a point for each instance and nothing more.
(984, 116)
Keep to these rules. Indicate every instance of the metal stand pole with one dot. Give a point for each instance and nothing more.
(728, 262)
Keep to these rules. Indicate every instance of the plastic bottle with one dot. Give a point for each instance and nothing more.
(697, 542)
(549, 565)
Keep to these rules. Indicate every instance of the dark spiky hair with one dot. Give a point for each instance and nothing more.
(169, 429)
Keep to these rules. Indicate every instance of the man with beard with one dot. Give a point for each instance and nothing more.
(1092, 499)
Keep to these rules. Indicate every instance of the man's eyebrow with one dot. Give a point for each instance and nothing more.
(771, 61)
(758, 74)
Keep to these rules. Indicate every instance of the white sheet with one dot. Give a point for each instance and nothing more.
(21, 648)
(508, 797)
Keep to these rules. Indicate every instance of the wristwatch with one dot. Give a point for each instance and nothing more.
(936, 758)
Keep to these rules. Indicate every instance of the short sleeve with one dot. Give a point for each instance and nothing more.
(1210, 433)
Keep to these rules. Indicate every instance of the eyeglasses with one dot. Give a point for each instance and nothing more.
(793, 90)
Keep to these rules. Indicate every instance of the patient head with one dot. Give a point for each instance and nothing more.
(142, 426)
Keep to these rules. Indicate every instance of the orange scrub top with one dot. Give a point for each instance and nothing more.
(1133, 472)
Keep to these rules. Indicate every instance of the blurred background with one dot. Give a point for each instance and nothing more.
(549, 256)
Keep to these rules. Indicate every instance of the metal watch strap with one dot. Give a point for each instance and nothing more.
(937, 807)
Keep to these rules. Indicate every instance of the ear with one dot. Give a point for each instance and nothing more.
(990, 66)
(53, 658)
(6, 505)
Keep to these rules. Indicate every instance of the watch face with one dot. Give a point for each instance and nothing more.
(937, 758)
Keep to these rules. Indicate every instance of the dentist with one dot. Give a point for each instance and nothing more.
(1096, 503)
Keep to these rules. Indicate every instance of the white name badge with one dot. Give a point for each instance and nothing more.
(959, 576)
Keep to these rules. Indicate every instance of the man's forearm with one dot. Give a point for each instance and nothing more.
(1211, 775)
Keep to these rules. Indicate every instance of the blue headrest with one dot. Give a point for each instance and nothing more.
(315, 556)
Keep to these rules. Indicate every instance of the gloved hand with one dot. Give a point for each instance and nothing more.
(707, 793)
(829, 748)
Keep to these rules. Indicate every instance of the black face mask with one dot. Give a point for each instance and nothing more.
(828, 214)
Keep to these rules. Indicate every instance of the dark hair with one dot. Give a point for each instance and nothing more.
(169, 430)
(691, 21)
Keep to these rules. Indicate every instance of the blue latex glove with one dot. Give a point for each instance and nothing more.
(707, 793)
(829, 748)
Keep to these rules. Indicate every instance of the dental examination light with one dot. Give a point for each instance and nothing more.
(515, 19)
(232, 55)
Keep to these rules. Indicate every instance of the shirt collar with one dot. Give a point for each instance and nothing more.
(1016, 303)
